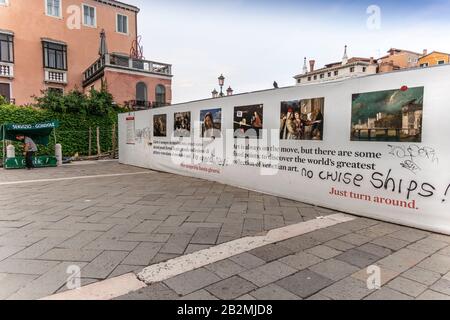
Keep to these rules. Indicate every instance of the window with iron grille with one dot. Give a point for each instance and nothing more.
(55, 55)
(6, 48)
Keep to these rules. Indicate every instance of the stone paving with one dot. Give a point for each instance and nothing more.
(111, 225)
(327, 264)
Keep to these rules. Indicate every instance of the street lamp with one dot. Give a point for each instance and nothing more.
(216, 94)
(221, 83)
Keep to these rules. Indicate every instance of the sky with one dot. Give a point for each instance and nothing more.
(256, 42)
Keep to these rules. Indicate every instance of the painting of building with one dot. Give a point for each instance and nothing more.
(80, 44)
(391, 115)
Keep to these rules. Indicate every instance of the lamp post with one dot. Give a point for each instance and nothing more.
(221, 83)
(216, 94)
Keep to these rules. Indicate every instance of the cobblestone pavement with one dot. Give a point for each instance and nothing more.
(112, 225)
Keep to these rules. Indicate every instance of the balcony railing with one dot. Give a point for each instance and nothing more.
(55, 76)
(144, 105)
(6, 70)
(125, 62)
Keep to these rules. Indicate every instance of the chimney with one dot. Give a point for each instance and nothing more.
(311, 65)
(425, 52)
(372, 61)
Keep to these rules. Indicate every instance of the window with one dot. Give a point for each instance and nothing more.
(309, 78)
(352, 69)
(315, 77)
(122, 23)
(441, 62)
(336, 73)
(4, 2)
(5, 91)
(89, 16)
(299, 80)
(141, 92)
(322, 76)
(329, 74)
(58, 91)
(53, 8)
(6, 48)
(160, 95)
(364, 69)
(424, 65)
(55, 55)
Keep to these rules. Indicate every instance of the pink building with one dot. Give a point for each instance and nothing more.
(56, 44)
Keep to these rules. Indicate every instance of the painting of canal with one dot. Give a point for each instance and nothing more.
(391, 115)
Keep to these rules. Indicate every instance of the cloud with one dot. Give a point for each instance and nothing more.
(254, 42)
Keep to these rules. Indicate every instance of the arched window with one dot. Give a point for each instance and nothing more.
(141, 93)
(160, 95)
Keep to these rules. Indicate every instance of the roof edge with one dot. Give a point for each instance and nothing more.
(119, 4)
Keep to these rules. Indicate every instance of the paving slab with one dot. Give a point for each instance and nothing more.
(268, 273)
(421, 275)
(407, 286)
(192, 281)
(304, 283)
(386, 293)
(273, 292)
(231, 288)
(347, 289)
(334, 269)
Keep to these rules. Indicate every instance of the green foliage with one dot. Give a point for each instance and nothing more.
(76, 113)
(97, 103)
(2, 100)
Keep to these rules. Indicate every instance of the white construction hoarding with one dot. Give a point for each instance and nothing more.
(376, 146)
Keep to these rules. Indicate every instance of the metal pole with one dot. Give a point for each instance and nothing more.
(98, 142)
(3, 149)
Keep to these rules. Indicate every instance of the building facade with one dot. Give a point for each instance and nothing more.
(398, 59)
(83, 44)
(347, 68)
(434, 58)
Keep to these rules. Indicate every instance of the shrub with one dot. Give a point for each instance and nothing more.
(76, 113)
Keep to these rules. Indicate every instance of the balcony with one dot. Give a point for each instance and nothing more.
(117, 61)
(136, 105)
(6, 70)
(55, 76)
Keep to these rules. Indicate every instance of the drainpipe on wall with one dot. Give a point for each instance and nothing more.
(136, 27)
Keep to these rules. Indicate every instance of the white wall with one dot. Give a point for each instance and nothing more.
(430, 213)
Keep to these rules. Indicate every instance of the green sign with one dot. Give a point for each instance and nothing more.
(39, 162)
(39, 132)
